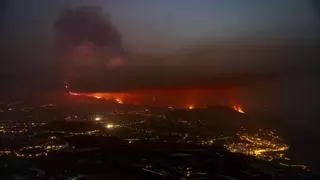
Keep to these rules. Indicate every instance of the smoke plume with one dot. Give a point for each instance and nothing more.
(87, 36)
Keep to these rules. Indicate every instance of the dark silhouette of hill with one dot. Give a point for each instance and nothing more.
(219, 119)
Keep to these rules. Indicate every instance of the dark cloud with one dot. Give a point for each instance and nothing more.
(87, 25)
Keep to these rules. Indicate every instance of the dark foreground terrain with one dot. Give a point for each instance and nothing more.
(117, 160)
(90, 139)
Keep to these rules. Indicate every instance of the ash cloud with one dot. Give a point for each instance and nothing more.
(84, 25)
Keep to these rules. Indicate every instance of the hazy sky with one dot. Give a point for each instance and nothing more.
(161, 25)
(290, 26)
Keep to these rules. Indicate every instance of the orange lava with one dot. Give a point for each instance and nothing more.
(187, 97)
(238, 108)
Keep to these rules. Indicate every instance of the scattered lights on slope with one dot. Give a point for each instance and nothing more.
(109, 126)
(98, 118)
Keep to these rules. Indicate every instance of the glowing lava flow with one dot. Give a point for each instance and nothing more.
(238, 108)
(185, 97)
(73, 93)
(119, 101)
(116, 97)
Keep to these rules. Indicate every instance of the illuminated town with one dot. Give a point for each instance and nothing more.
(86, 130)
(263, 144)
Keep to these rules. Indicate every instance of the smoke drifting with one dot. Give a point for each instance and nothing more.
(87, 32)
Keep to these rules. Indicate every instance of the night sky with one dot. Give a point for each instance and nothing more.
(268, 50)
(166, 25)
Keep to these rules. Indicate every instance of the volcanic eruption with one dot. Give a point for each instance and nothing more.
(91, 48)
